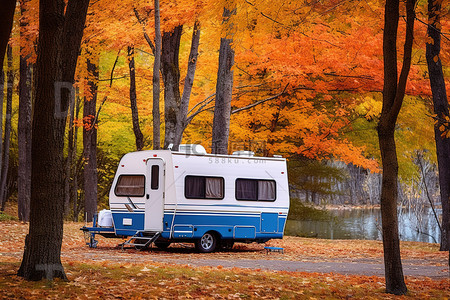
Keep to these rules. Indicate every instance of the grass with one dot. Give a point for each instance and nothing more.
(7, 217)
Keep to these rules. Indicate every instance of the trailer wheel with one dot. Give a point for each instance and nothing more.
(207, 243)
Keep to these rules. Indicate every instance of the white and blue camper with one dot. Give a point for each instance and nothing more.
(163, 196)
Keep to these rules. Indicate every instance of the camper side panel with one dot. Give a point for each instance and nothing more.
(238, 198)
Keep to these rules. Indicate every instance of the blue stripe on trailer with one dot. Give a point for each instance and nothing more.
(193, 225)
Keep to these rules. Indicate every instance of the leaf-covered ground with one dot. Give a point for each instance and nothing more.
(108, 272)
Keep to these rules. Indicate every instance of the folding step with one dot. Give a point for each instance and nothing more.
(142, 239)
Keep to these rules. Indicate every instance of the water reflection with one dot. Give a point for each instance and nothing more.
(366, 224)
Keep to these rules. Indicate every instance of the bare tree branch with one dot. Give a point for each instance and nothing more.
(143, 23)
(261, 101)
(112, 70)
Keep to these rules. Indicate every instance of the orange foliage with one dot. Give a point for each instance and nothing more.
(323, 57)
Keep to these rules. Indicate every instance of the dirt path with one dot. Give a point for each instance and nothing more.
(271, 262)
(345, 268)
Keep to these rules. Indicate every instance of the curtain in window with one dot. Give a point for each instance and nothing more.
(266, 190)
(246, 189)
(130, 185)
(194, 187)
(214, 188)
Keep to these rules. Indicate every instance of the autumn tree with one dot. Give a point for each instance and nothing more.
(156, 81)
(297, 83)
(224, 86)
(90, 177)
(60, 32)
(393, 94)
(441, 109)
(133, 101)
(24, 122)
(170, 70)
(7, 137)
(182, 121)
(175, 105)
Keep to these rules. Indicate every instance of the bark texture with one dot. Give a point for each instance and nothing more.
(393, 93)
(133, 101)
(73, 186)
(69, 159)
(170, 70)
(441, 109)
(2, 95)
(224, 90)
(24, 141)
(7, 137)
(24, 130)
(188, 82)
(60, 33)
(156, 82)
(90, 141)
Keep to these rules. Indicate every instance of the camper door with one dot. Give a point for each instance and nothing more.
(154, 196)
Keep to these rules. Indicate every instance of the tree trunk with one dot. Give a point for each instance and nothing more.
(393, 94)
(24, 141)
(391, 245)
(441, 109)
(222, 107)
(133, 101)
(188, 82)
(156, 85)
(7, 138)
(59, 42)
(2, 95)
(170, 70)
(6, 22)
(69, 159)
(24, 130)
(90, 140)
(224, 90)
(74, 165)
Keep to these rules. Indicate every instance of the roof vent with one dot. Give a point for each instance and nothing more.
(192, 149)
(244, 153)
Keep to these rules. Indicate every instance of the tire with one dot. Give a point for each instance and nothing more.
(207, 243)
(162, 245)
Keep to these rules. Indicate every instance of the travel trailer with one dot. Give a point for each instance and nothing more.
(163, 196)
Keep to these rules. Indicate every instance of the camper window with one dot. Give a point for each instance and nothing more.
(255, 190)
(266, 190)
(130, 185)
(201, 187)
(155, 177)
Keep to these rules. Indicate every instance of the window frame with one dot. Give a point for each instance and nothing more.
(257, 190)
(154, 182)
(204, 186)
(125, 175)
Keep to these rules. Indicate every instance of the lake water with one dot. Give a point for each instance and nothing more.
(366, 224)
